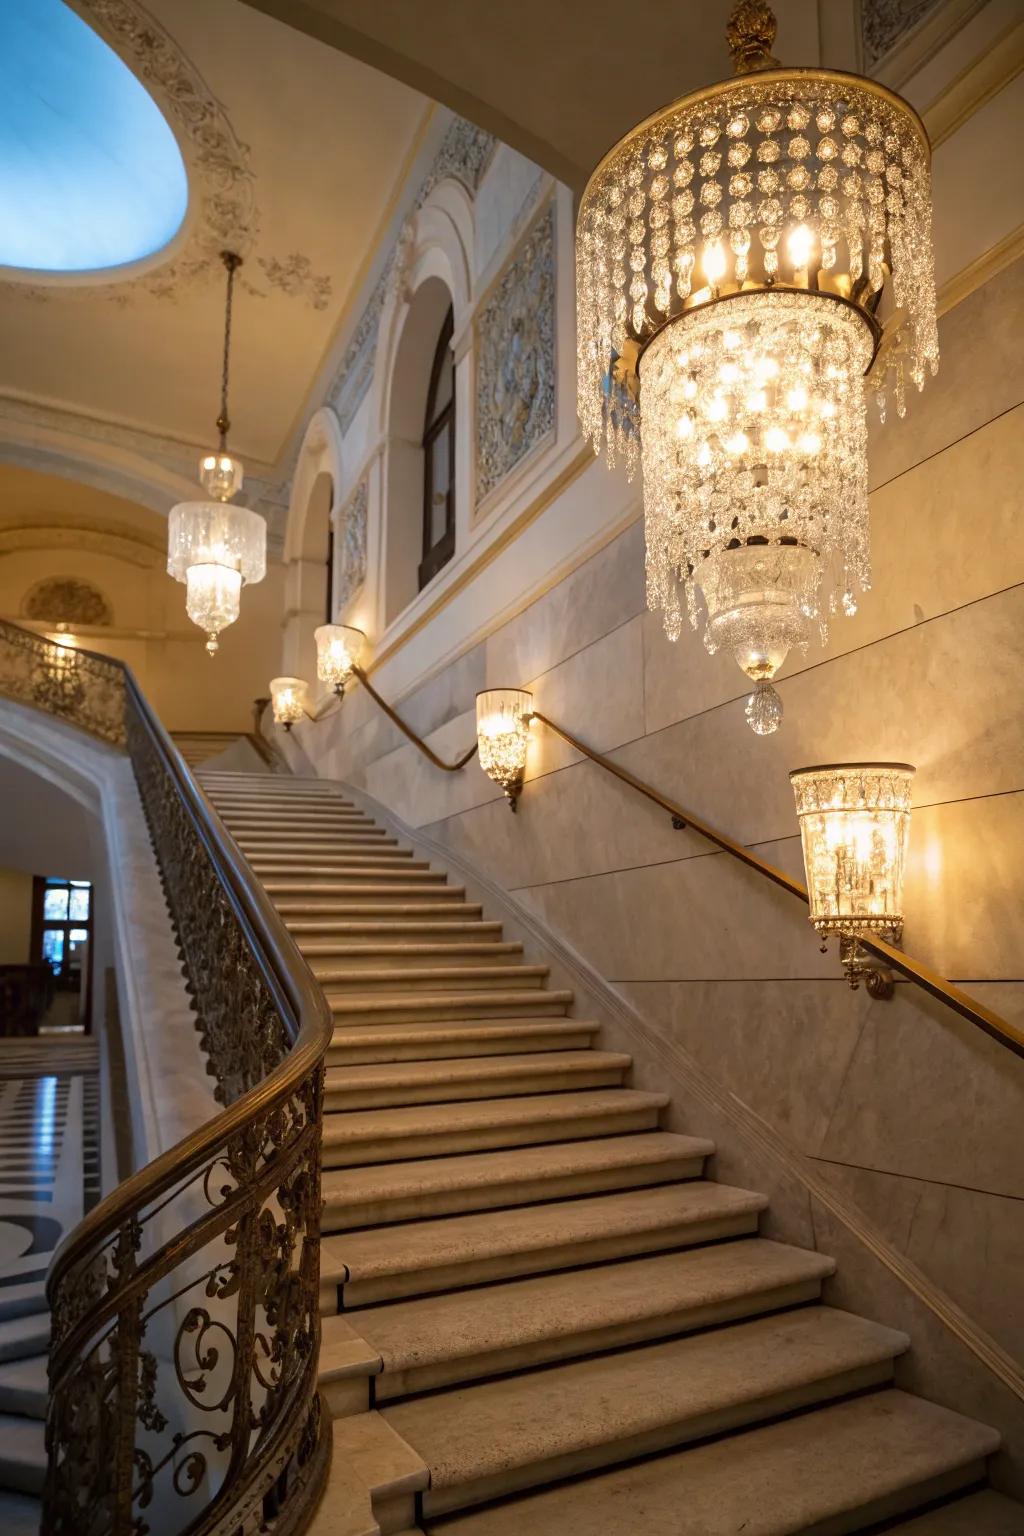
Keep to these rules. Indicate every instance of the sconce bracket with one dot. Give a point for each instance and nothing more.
(678, 824)
(859, 965)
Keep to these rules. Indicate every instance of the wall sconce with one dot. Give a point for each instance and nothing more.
(854, 822)
(288, 700)
(502, 733)
(339, 648)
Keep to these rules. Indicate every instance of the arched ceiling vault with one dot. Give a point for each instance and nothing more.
(559, 80)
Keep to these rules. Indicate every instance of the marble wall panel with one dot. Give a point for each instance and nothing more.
(449, 693)
(598, 694)
(968, 1242)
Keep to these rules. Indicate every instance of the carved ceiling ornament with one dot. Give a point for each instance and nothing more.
(295, 278)
(515, 359)
(221, 183)
(884, 23)
(352, 534)
(66, 600)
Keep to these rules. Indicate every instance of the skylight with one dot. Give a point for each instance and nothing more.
(90, 173)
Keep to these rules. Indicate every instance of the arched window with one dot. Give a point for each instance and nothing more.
(439, 459)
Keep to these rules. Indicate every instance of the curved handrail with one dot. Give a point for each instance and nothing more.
(968, 1007)
(408, 731)
(228, 1219)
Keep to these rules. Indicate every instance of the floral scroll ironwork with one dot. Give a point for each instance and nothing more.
(185, 1308)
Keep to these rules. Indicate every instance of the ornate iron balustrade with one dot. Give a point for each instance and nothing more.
(185, 1308)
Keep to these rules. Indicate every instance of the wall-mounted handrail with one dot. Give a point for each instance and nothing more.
(408, 731)
(210, 1252)
(923, 976)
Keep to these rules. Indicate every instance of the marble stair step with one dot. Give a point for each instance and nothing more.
(21, 1514)
(345, 844)
(834, 1471)
(28, 1334)
(328, 915)
(976, 1514)
(292, 818)
(315, 880)
(22, 1300)
(439, 1186)
(358, 867)
(357, 1138)
(436, 1341)
(425, 980)
(24, 1386)
(397, 1007)
(388, 1085)
(359, 1047)
(22, 1453)
(422, 1257)
(370, 889)
(328, 960)
(495, 1437)
(282, 837)
(337, 935)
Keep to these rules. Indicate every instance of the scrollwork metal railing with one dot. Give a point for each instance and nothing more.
(185, 1307)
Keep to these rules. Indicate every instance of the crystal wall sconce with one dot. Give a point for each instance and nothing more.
(339, 650)
(503, 734)
(288, 696)
(854, 824)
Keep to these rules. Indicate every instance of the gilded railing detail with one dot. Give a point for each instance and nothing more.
(185, 1308)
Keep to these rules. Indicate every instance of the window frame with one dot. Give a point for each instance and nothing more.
(41, 924)
(436, 555)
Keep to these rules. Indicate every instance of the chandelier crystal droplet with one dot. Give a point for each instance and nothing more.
(751, 262)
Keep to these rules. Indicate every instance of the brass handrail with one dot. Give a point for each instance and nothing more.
(185, 1306)
(968, 1007)
(408, 731)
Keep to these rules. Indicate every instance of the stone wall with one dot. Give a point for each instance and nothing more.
(908, 1109)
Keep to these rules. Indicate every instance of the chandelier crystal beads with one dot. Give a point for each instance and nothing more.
(339, 649)
(503, 736)
(749, 262)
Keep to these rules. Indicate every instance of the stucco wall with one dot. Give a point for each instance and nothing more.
(15, 916)
(905, 1106)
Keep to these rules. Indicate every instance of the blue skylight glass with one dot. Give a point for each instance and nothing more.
(90, 173)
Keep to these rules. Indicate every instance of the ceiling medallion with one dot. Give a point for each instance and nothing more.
(750, 261)
(213, 547)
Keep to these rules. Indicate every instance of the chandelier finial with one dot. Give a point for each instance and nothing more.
(750, 31)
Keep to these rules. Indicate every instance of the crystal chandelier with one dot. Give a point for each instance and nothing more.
(750, 261)
(213, 547)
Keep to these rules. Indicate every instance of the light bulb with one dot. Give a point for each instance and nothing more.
(799, 245)
(713, 262)
(717, 408)
(765, 368)
(797, 398)
(684, 427)
(729, 373)
(739, 442)
(757, 400)
(775, 440)
(809, 442)
(212, 599)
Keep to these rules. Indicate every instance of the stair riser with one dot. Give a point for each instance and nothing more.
(335, 895)
(23, 1400)
(452, 1049)
(391, 1385)
(325, 937)
(663, 1437)
(305, 824)
(541, 1005)
(22, 1338)
(341, 869)
(372, 848)
(365, 1292)
(389, 1149)
(909, 1500)
(22, 1477)
(342, 1217)
(312, 914)
(327, 961)
(411, 980)
(338, 1100)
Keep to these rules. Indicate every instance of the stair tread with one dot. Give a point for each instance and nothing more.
(24, 1335)
(463, 1069)
(302, 888)
(24, 1386)
(768, 1481)
(22, 1452)
(458, 1002)
(419, 1119)
(20, 1514)
(577, 1302)
(348, 910)
(508, 1166)
(439, 1034)
(517, 1424)
(447, 1240)
(460, 947)
(980, 1514)
(413, 974)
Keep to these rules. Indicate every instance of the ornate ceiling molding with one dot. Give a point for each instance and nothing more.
(59, 530)
(222, 198)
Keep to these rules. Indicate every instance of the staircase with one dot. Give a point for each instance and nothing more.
(197, 747)
(540, 1312)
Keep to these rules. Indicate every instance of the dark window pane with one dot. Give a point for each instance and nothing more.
(53, 947)
(55, 904)
(78, 907)
(445, 383)
(439, 475)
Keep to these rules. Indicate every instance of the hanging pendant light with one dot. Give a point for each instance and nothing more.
(750, 261)
(214, 547)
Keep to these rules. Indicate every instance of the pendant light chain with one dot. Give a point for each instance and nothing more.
(232, 263)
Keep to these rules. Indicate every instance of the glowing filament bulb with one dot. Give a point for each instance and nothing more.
(739, 442)
(765, 368)
(775, 440)
(797, 398)
(713, 262)
(684, 426)
(717, 408)
(809, 442)
(799, 245)
(757, 400)
(729, 373)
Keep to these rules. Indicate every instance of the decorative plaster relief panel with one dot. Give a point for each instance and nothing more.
(352, 531)
(515, 359)
(67, 600)
(883, 23)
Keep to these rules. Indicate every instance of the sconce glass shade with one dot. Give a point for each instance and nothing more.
(339, 648)
(288, 700)
(502, 734)
(854, 824)
(214, 548)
